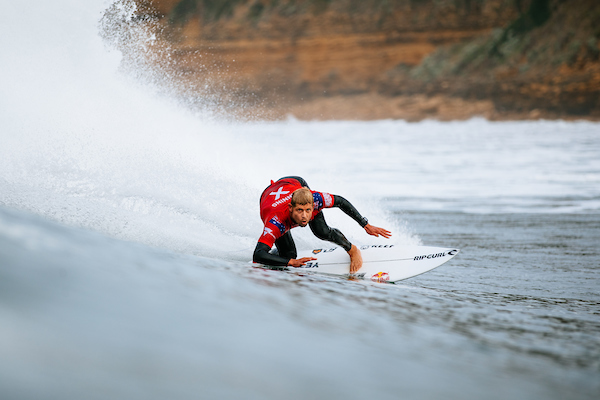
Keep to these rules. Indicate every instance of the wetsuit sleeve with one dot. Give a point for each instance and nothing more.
(348, 208)
(262, 256)
(272, 231)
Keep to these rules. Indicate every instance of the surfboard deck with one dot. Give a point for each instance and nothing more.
(381, 263)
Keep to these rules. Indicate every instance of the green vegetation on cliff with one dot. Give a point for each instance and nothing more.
(208, 10)
(362, 15)
(547, 35)
(549, 56)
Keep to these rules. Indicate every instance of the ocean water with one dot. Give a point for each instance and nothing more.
(127, 223)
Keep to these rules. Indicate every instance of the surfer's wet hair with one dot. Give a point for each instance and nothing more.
(301, 196)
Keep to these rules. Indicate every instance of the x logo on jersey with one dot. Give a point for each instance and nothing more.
(278, 193)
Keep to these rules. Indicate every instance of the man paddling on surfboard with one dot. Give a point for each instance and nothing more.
(288, 203)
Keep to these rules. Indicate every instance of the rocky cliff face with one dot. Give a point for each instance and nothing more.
(546, 60)
(385, 58)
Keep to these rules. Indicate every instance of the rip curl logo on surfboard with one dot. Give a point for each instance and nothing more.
(436, 255)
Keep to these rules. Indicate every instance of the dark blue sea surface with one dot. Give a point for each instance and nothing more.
(515, 315)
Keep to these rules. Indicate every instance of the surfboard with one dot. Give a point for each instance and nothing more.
(381, 263)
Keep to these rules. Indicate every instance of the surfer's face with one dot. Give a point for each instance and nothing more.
(301, 213)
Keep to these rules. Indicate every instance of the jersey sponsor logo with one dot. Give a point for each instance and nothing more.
(280, 192)
(328, 199)
(275, 221)
(282, 200)
(380, 277)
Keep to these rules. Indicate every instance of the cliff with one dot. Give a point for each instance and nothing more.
(385, 59)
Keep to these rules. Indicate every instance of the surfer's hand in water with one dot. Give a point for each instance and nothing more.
(355, 259)
(375, 231)
(300, 262)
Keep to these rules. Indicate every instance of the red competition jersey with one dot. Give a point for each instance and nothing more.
(275, 212)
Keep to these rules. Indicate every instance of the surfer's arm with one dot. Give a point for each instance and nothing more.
(263, 256)
(349, 209)
(375, 231)
(352, 212)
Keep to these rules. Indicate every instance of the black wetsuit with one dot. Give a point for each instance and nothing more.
(285, 246)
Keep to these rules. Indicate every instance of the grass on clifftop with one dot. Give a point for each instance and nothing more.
(549, 34)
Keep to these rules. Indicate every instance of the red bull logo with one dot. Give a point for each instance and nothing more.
(380, 277)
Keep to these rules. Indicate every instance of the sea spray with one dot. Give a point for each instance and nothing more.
(86, 146)
(90, 143)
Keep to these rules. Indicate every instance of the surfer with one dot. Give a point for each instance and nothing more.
(288, 203)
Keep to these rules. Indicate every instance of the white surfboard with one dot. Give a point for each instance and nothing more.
(381, 263)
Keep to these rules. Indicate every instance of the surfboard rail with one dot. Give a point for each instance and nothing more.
(381, 263)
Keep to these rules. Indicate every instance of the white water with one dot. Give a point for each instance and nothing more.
(85, 145)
